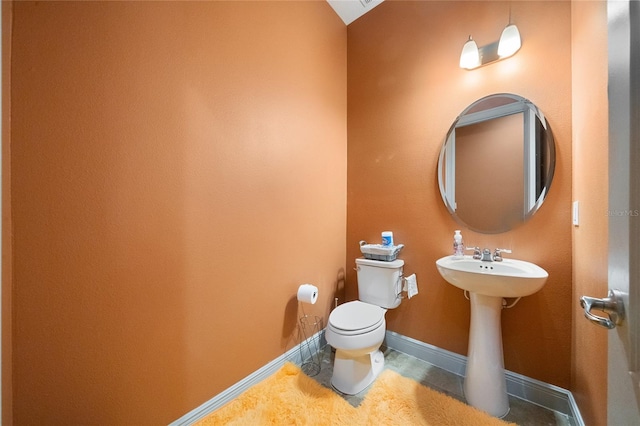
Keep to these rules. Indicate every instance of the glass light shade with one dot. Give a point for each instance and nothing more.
(470, 56)
(509, 41)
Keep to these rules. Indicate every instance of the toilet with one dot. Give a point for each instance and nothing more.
(356, 329)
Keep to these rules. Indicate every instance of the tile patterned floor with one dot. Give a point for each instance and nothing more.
(522, 412)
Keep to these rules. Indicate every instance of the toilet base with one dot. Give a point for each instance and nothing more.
(351, 375)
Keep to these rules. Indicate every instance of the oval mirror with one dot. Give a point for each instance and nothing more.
(496, 164)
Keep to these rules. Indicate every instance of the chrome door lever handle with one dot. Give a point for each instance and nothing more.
(612, 305)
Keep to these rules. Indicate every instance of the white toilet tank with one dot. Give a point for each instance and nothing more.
(379, 282)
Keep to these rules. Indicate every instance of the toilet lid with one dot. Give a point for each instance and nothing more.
(356, 315)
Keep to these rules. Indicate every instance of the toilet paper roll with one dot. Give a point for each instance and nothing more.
(307, 293)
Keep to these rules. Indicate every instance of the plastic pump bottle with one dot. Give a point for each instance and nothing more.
(458, 245)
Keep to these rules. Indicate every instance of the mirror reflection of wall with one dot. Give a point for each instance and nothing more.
(489, 158)
(497, 163)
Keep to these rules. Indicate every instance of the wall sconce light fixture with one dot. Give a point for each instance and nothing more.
(474, 57)
(470, 56)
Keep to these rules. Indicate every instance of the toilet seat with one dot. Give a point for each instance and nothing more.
(354, 318)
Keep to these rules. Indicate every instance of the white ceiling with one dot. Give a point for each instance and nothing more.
(350, 10)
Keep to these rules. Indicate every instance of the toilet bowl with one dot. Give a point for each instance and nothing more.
(356, 330)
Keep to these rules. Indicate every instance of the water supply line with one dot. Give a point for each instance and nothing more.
(504, 300)
(505, 306)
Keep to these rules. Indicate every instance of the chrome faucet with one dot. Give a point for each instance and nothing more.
(497, 255)
(476, 252)
(486, 255)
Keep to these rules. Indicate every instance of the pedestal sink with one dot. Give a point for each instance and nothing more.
(488, 283)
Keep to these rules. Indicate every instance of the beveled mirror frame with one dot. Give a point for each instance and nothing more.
(538, 163)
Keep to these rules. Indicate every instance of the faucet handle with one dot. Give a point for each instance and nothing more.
(476, 252)
(497, 254)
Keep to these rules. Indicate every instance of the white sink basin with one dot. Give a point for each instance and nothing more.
(509, 278)
(488, 283)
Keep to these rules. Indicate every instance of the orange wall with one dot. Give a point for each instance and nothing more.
(7, 323)
(178, 170)
(154, 171)
(404, 90)
(590, 187)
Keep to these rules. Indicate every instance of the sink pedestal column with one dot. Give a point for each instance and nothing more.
(485, 386)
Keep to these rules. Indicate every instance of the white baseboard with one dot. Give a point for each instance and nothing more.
(531, 390)
(292, 355)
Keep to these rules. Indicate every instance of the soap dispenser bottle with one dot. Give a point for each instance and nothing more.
(458, 245)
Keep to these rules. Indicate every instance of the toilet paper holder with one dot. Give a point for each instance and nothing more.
(310, 359)
(309, 326)
(403, 287)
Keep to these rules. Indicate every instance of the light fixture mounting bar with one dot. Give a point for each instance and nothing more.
(488, 54)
